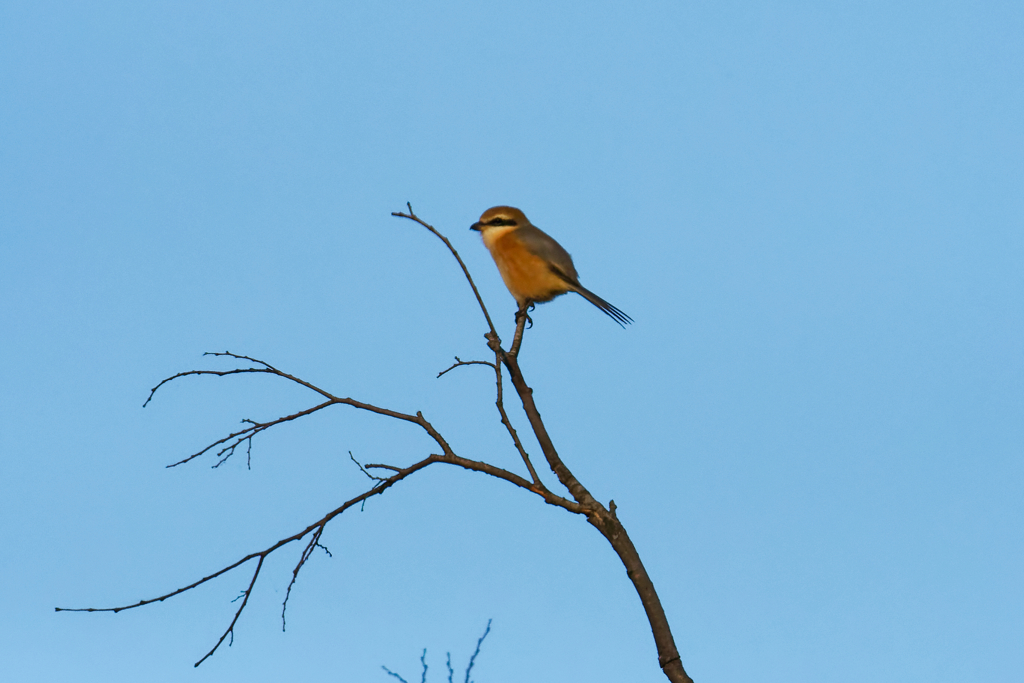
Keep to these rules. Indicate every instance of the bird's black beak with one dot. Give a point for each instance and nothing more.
(476, 226)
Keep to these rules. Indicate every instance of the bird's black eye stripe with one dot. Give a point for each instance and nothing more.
(501, 221)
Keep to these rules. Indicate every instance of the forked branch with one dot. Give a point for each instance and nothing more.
(315, 530)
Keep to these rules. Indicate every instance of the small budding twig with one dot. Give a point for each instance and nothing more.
(459, 363)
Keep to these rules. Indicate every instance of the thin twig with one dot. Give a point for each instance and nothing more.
(219, 373)
(413, 217)
(237, 356)
(362, 469)
(477, 651)
(496, 366)
(459, 362)
(238, 613)
(314, 541)
(267, 369)
(246, 435)
(500, 403)
(392, 673)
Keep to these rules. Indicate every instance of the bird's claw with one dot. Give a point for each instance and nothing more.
(523, 313)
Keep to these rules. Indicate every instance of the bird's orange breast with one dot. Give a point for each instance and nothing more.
(527, 276)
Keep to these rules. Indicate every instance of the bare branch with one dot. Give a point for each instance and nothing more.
(219, 373)
(605, 520)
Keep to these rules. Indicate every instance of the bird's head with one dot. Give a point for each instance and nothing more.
(500, 216)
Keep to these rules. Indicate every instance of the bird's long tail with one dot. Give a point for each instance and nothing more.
(609, 310)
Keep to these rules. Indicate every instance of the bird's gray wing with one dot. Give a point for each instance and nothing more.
(544, 246)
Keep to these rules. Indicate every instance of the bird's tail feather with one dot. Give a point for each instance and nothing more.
(609, 310)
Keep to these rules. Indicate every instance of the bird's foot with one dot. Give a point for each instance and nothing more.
(524, 313)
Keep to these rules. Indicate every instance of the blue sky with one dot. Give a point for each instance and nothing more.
(814, 431)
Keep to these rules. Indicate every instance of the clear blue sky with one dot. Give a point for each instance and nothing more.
(814, 431)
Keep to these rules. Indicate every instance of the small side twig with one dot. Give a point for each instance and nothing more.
(246, 435)
(459, 363)
(392, 673)
(363, 469)
(314, 542)
(500, 403)
(380, 466)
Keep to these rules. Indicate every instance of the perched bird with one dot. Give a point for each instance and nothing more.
(534, 266)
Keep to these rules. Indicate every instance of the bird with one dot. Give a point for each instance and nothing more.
(533, 265)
